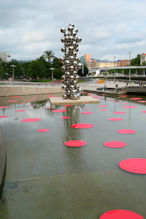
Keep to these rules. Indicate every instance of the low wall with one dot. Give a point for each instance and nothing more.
(2, 162)
(26, 90)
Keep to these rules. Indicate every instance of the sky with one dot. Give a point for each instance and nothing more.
(108, 28)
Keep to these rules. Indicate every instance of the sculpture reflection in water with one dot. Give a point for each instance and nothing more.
(71, 63)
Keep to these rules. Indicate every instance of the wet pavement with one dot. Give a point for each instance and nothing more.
(46, 179)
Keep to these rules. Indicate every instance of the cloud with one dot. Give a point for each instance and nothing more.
(34, 36)
(107, 27)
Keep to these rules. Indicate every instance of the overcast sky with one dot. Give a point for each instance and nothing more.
(108, 28)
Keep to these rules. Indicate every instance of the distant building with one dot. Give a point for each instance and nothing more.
(87, 58)
(142, 58)
(124, 63)
(5, 56)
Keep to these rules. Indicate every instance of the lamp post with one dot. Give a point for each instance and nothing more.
(52, 69)
(13, 66)
(129, 69)
(114, 70)
(22, 71)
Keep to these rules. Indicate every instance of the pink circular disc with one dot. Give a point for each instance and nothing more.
(75, 143)
(12, 101)
(21, 110)
(30, 120)
(3, 107)
(48, 107)
(130, 107)
(68, 105)
(3, 117)
(102, 106)
(123, 95)
(43, 130)
(126, 131)
(142, 101)
(59, 110)
(115, 119)
(115, 144)
(121, 214)
(82, 126)
(103, 110)
(65, 117)
(87, 113)
(124, 103)
(143, 111)
(51, 96)
(134, 165)
(17, 97)
(86, 108)
(119, 112)
(135, 98)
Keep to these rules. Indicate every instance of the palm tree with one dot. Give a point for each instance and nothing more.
(49, 55)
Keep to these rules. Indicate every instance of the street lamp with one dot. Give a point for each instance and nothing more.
(129, 69)
(114, 70)
(13, 66)
(52, 69)
(23, 71)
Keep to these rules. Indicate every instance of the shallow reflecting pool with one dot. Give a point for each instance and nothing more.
(46, 179)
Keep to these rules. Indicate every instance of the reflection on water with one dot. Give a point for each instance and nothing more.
(46, 179)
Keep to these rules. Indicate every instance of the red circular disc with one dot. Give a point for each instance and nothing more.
(143, 111)
(87, 113)
(115, 144)
(134, 165)
(48, 107)
(102, 106)
(142, 101)
(115, 119)
(3, 107)
(68, 105)
(123, 95)
(124, 103)
(75, 143)
(12, 101)
(121, 214)
(82, 126)
(59, 110)
(65, 117)
(3, 117)
(30, 120)
(17, 97)
(130, 107)
(135, 98)
(103, 110)
(86, 108)
(21, 110)
(119, 112)
(43, 130)
(51, 96)
(126, 131)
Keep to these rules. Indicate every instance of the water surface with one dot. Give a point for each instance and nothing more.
(46, 179)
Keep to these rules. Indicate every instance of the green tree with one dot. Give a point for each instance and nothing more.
(1, 70)
(85, 71)
(48, 55)
(57, 64)
(136, 61)
(144, 63)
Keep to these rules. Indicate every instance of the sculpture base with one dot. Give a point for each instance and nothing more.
(82, 100)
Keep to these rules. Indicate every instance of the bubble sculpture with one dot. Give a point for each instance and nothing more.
(71, 63)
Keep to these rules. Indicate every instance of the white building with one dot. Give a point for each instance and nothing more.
(142, 58)
(5, 56)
